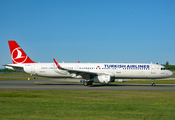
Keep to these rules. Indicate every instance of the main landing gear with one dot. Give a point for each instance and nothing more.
(153, 84)
(86, 83)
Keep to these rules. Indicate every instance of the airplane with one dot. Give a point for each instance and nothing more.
(90, 72)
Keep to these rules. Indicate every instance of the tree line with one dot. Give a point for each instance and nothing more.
(5, 70)
(169, 67)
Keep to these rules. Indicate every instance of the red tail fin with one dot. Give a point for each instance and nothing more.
(18, 55)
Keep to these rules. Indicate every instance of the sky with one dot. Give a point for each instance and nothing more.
(103, 31)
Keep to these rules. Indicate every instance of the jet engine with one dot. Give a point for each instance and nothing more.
(102, 79)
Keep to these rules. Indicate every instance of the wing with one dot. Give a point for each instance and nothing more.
(78, 72)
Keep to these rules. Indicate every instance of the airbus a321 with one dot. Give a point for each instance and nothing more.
(90, 72)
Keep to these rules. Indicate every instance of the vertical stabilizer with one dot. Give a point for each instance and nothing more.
(17, 54)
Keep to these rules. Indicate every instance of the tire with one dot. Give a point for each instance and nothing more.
(85, 83)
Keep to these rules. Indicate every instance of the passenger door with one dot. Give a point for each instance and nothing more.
(153, 69)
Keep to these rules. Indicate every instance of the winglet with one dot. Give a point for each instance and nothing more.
(58, 66)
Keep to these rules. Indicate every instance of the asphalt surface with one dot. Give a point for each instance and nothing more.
(59, 85)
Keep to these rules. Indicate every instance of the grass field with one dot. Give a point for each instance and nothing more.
(15, 74)
(87, 105)
(18, 76)
(97, 105)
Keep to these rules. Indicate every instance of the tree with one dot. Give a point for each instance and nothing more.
(167, 63)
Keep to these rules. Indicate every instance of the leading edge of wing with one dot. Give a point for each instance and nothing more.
(76, 71)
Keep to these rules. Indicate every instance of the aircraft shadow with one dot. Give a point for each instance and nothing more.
(98, 85)
(132, 85)
(103, 85)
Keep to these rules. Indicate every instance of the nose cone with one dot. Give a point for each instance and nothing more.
(171, 73)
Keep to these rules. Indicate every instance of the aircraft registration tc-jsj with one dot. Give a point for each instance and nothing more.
(90, 72)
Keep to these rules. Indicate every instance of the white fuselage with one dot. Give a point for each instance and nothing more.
(115, 70)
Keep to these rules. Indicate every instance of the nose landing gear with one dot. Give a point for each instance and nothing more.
(153, 84)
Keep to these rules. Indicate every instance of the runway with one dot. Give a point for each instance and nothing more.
(58, 85)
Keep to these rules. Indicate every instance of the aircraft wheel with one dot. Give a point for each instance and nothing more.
(85, 83)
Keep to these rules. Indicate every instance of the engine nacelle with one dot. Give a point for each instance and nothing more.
(102, 79)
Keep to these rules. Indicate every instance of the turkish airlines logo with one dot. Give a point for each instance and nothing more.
(18, 56)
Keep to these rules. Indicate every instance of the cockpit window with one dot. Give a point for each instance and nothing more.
(164, 69)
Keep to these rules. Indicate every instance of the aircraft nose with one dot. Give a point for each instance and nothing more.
(171, 73)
